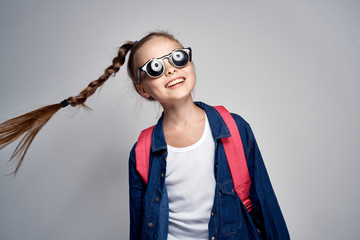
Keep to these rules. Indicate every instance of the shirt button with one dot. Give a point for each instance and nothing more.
(212, 214)
(162, 175)
(151, 224)
(156, 199)
(212, 238)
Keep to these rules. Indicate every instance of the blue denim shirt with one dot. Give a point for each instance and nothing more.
(229, 219)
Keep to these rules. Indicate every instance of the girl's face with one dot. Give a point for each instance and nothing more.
(175, 84)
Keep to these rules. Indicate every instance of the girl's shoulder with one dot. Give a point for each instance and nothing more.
(244, 127)
(240, 121)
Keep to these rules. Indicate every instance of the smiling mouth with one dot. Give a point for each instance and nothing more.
(174, 82)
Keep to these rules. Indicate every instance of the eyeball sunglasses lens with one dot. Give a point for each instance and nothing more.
(155, 68)
(180, 58)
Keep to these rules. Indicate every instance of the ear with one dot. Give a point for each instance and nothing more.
(142, 91)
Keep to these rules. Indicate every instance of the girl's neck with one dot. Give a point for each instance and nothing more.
(182, 113)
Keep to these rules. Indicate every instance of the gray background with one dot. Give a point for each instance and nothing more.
(290, 68)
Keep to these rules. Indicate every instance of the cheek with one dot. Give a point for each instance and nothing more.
(147, 86)
(190, 71)
(150, 85)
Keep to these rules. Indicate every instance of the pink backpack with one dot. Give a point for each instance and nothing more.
(233, 149)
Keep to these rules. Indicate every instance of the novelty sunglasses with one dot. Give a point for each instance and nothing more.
(155, 67)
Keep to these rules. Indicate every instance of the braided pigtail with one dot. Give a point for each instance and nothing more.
(32, 122)
(118, 61)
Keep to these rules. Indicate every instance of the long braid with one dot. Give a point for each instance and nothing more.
(32, 122)
(118, 61)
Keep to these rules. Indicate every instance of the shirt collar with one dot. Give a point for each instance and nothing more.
(217, 125)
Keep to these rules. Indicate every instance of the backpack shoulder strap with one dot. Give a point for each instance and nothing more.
(236, 158)
(142, 153)
(233, 149)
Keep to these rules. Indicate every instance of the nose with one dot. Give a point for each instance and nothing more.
(169, 69)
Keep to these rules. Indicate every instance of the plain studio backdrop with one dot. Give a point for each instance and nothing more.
(290, 68)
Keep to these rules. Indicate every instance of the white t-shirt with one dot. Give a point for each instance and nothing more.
(190, 184)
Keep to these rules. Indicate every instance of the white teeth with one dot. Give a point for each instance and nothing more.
(176, 81)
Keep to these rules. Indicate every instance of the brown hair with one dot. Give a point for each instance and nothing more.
(32, 122)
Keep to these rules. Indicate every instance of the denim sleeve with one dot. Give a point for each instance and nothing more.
(266, 212)
(136, 194)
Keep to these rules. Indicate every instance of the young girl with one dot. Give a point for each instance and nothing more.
(189, 192)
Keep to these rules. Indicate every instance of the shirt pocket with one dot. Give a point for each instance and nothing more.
(230, 213)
